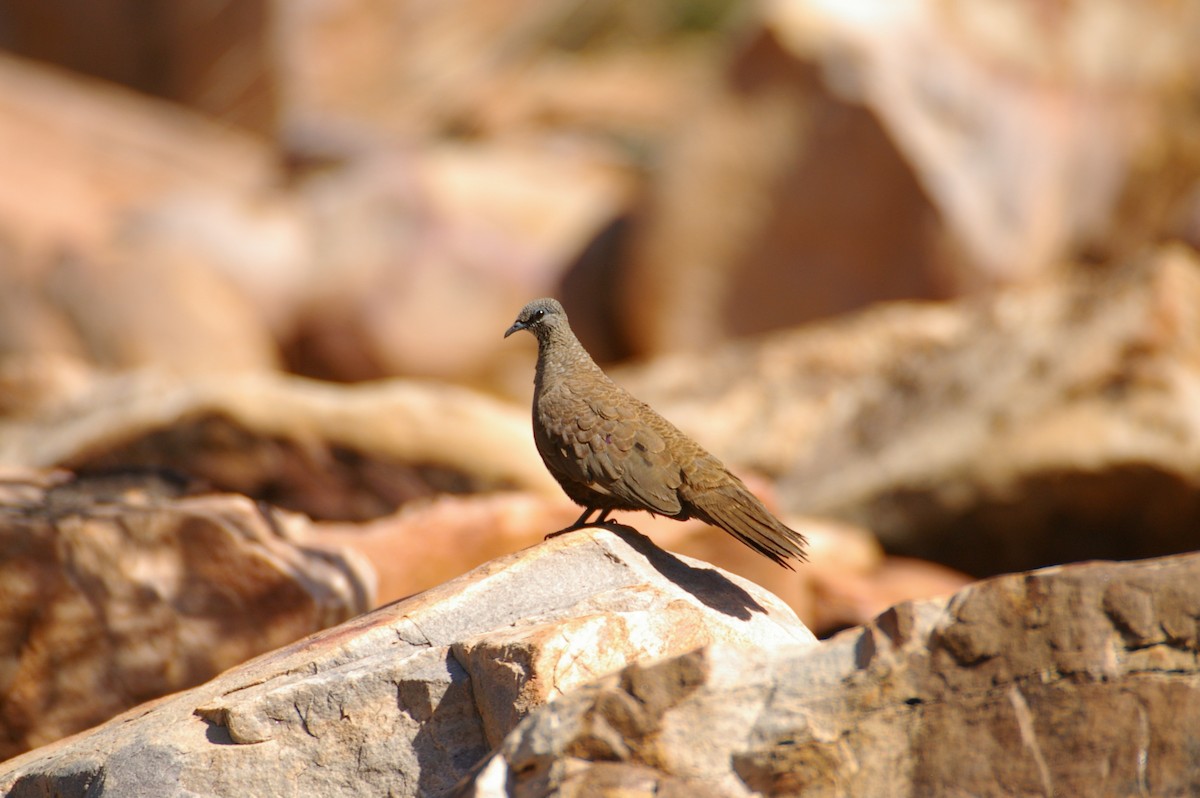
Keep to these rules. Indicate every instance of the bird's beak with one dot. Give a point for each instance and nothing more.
(517, 325)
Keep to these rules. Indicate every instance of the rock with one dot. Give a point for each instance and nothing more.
(1049, 423)
(31, 383)
(341, 452)
(847, 581)
(198, 320)
(159, 211)
(217, 59)
(1079, 680)
(117, 590)
(208, 261)
(841, 597)
(835, 156)
(405, 700)
(426, 543)
(360, 70)
(85, 146)
(755, 219)
(710, 174)
(450, 237)
(968, 92)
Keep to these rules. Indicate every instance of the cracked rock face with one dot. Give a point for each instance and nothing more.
(1077, 680)
(407, 699)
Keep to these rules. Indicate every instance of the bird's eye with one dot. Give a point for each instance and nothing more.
(537, 315)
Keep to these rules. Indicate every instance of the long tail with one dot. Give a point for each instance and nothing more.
(732, 507)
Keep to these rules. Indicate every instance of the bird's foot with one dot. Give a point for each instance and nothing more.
(582, 523)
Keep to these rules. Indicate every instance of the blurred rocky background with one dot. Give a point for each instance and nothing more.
(926, 274)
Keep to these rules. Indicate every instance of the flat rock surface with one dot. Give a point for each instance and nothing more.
(406, 699)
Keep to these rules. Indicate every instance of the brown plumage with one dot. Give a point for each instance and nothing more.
(610, 451)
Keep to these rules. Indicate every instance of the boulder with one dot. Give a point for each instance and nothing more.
(115, 590)
(1040, 138)
(1079, 680)
(218, 60)
(422, 257)
(406, 699)
(174, 221)
(331, 451)
(756, 215)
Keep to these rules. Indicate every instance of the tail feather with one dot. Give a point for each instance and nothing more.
(734, 509)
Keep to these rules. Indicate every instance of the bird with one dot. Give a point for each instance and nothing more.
(610, 451)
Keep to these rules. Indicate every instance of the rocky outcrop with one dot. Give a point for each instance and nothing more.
(597, 660)
(87, 169)
(116, 590)
(718, 173)
(1079, 680)
(405, 700)
(978, 147)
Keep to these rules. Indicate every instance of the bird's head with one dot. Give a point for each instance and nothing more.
(539, 317)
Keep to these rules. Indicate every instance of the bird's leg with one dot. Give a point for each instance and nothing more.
(580, 523)
(601, 519)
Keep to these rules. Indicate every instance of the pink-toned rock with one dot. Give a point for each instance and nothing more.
(176, 314)
(215, 58)
(116, 590)
(90, 152)
(1039, 136)
(755, 219)
(357, 72)
(843, 597)
(103, 197)
(423, 257)
(429, 542)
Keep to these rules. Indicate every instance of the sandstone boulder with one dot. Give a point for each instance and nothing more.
(422, 258)
(331, 451)
(406, 699)
(1079, 680)
(755, 219)
(1040, 138)
(115, 590)
(159, 212)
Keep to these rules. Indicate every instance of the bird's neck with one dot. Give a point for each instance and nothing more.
(561, 356)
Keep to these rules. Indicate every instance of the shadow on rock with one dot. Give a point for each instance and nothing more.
(446, 723)
(708, 585)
